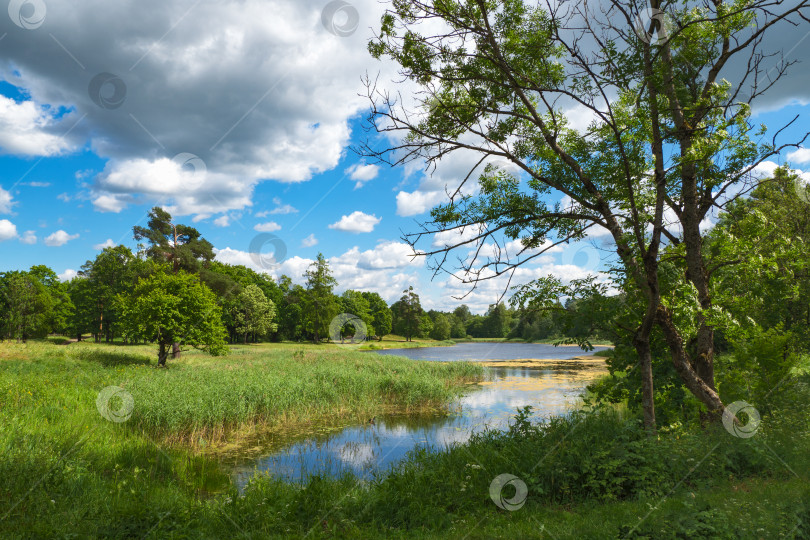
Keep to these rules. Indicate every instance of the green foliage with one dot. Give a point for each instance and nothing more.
(696, 521)
(27, 306)
(381, 316)
(757, 366)
(441, 328)
(173, 308)
(408, 312)
(113, 272)
(252, 313)
(320, 304)
(180, 245)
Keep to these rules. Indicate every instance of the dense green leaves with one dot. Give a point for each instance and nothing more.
(173, 308)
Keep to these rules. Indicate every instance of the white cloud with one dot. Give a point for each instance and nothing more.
(7, 230)
(765, 169)
(362, 173)
(270, 226)
(387, 255)
(281, 209)
(284, 209)
(222, 221)
(26, 129)
(289, 120)
(29, 237)
(386, 269)
(356, 222)
(67, 275)
(107, 243)
(59, 238)
(6, 201)
(436, 188)
(800, 155)
(64, 197)
(309, 241)
(452, 237)
(418, 202)
(110, 203)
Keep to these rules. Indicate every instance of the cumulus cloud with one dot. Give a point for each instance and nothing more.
(309, 241)
(436, 187)
(280, 209)
(222, 221)
(7, 230)
(362, 173)
(387, 269)
(270, 226)
(800, 156)
(418, 202)
(452, 237)
(28, 129)
(388, 255)
(107, 243)
(284, 209)
(29, 237)
(110, 203)
(6, 201)
(67, 275)
(256, 97)
(356, 222)
(59, 238)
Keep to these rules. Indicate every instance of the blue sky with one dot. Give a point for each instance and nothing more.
(269, 108)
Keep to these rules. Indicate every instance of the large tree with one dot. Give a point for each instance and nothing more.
(669, 143)
(180, 245)
(111, 273)
(172, 309)
(380, 314)
(408, 314)
(26, 306)
(320, 303)
(356, 304)
(253, 313)
(441, 327)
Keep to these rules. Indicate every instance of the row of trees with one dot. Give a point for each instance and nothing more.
(250, 306)
(115, 294)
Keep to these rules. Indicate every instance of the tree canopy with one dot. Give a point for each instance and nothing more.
(173, 308)
(670, 143)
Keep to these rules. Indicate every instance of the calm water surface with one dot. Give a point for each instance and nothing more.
(551, 387)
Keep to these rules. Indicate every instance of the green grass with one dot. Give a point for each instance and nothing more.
(208, 398)
(398, 342)
(68, 473)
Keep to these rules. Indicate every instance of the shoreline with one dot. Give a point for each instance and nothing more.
(539, 362)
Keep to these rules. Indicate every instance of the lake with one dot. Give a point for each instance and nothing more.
(551, 386)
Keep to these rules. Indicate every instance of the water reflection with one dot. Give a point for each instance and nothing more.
(489, 351)
(550, 387)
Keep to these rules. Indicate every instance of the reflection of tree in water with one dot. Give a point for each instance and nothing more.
(378, 443)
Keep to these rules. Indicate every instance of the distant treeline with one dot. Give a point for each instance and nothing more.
(253, 307)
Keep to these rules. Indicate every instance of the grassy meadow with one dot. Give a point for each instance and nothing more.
(69, 473)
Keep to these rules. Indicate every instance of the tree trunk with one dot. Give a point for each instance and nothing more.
(642, 345)
(162, 354)
(175, 351)
(696, 384)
